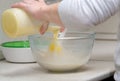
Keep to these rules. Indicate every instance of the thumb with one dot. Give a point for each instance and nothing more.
(44, 28)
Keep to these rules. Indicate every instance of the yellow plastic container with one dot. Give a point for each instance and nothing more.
(16, 22)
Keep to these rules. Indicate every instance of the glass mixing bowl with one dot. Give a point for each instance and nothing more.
(68, 53)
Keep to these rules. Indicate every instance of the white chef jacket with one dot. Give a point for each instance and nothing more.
(82, 14)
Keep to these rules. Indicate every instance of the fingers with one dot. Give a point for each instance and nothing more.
(22, 4)
(28, 1)
(19, 5)
(41, 0)
(44, 28)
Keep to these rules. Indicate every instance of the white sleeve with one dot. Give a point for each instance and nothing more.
(76, 13)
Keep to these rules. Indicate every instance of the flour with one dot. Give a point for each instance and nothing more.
(61, 62)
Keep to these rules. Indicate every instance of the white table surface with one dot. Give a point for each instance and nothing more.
(93, 71)
(101, 66)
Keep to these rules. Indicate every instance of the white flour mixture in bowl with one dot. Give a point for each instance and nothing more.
(66, 54)
(62, 61)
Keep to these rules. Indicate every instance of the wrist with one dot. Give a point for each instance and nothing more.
(52, 15)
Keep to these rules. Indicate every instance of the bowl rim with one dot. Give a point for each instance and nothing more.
(89, 35)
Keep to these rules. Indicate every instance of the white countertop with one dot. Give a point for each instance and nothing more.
(93, 71)
(101, 66)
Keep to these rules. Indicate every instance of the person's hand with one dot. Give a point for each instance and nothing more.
(39, 10)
